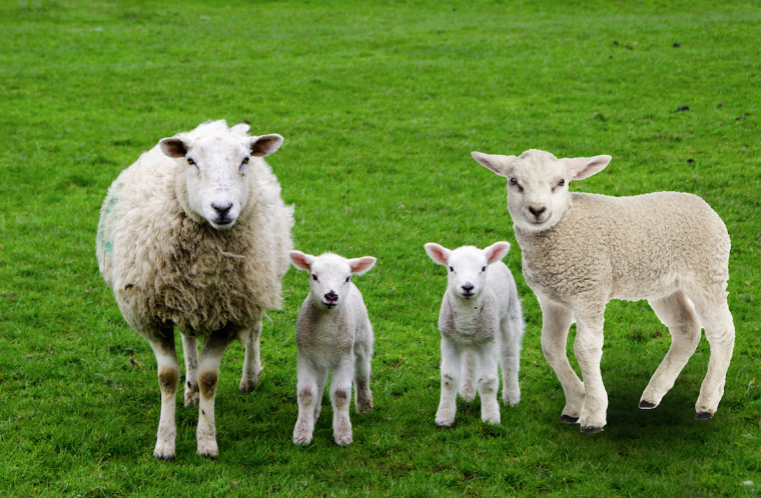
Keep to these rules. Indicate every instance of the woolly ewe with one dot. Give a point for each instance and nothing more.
(582, 250)
(195, 234)
(481, 324)
(333, 334)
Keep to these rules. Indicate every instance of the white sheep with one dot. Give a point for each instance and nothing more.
(481, 325)
(195, 234)
(582, 250)
(333, 334)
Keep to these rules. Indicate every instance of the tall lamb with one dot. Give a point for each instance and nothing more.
(333, 335)
(194, 234)
(582, 250)
(481, 326)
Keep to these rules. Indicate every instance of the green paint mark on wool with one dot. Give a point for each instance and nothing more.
(107, 222)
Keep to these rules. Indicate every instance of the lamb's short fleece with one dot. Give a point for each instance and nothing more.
(582, 250)
(195, 234)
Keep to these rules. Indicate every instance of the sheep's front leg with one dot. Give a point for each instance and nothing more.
(162, 342)
(468, 377)
(488, 383)
(190, 351)
(450, 381)
(588, 349)
(252, 364)
(510, 359)
(363, 397)
(556, 320)
(340, 397)
(311, 382)
(214, 346)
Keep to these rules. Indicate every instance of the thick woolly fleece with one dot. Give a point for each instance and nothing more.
(162, 265)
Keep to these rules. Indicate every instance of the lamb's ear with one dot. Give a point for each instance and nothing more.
(496, 251)
(360, 266)
(173, 147)
(266, 144)
(494, 162)
(439, 254)
(579, 168)
(301, 261)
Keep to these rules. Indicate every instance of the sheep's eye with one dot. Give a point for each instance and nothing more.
(513, 181)
(348, 278)
(451, 269)
(483, 269)
(191, 162)
(245, 161)
(561, 183)
(314, 277)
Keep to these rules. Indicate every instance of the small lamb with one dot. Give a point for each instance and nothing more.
(582, 250)
(333, 333)
(481, 324)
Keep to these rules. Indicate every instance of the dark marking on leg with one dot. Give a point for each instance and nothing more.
(208, 384)
(341, 398)
(168, 380)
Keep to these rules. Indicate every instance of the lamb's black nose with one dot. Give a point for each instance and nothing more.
(222, 210)
(537, 212)
(331, 297)
(467, 287)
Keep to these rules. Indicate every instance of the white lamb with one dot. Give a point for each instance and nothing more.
(195, 234)
(333, 333)
(582, 250)
(481, 324)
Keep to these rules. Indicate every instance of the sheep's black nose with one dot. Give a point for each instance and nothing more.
(331, 297)
(537, 212)
(222, 210)
(467, 287)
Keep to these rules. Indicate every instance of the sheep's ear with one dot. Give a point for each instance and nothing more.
(496, 163)
(579, 168)
(360, 266)
(301, 261)
(266, 144)
(496, 251)
(437, 253)
(173, 147)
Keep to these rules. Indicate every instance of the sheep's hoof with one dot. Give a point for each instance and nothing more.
(591, 430)
(567, 419)
(646, 405)
(444, 426)
(703, 415)
(166, 458)
(343, 439)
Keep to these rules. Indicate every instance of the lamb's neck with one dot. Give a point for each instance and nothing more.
(466, 311)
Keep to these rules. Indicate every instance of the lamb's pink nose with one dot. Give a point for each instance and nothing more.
(331, 297)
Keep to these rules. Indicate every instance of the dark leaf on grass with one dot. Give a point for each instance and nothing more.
(677, 45)
(690, 160)
(720, 106)
(683, 108)
(739, 118)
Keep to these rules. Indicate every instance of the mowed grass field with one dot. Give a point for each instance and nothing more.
(380, 104)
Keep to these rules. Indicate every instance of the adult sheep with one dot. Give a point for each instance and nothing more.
(195, 234)
(582, 250)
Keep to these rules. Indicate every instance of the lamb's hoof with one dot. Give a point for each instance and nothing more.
(468, 395)
(567, 419)
(302, 439)
(343, 439)
(364, 407)
(444, 426)
(246, 387)
(591, 430)
(208, 450)
(646, 405)
(167, 457)
(703, 415)
(192, 400)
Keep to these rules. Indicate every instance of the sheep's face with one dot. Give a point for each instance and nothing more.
(537, 184)
(217, 176)
(467, 266)
(330, 275)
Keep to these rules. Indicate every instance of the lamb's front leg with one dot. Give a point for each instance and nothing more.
(588, 349)
(214, 347)
(450, 381)
(510, 359)
(162, 342)
(556, 320)
(340, 397)
(190, 351)
(487, 374)
(309, 392)
(252, 364)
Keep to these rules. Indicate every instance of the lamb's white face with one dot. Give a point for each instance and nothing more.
(217, 173)
(537, 184)
(467, 266)
(329, 275)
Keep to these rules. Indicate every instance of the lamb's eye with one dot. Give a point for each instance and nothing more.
(314, 277)
(348, 278)
(561, 183)
(451, 269)
(483, 269)
(191, 162)
(513, 181)
(245, 161)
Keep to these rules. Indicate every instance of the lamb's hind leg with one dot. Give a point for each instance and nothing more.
(252, 364)
(363, 396)
(510, 358)
(678, 314)
(214, 346)
(720, 332)
(162, 342)
(190, 351)
(556, 320)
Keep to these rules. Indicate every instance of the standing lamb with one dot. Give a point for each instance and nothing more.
(195, 234)
(333, 333)
(582, 250)
(481, 324)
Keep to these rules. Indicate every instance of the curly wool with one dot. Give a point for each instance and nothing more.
(165, 267)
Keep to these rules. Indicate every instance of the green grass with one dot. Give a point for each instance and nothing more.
(381, 104)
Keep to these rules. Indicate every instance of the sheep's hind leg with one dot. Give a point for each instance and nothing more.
(363, 397)
(162, 342)
(190, 351)
(556, 320)
(510, 359)
(677, 313)
(720, 332)
(214, 347)
(252, 364)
